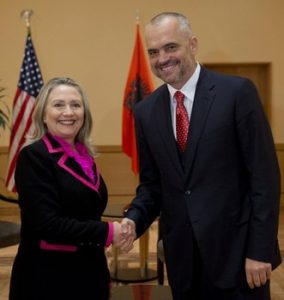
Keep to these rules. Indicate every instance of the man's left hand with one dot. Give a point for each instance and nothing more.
(257, 272)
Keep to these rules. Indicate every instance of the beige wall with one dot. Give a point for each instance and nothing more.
(92, 41)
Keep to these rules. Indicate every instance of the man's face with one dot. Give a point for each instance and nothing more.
(171, 52)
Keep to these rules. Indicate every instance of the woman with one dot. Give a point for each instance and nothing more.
(62, 197)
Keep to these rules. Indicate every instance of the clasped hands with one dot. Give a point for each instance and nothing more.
(124, 234)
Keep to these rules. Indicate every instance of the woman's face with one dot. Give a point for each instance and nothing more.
(64, 113)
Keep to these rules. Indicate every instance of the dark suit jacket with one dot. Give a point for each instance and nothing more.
(226, 186)
(61, 206)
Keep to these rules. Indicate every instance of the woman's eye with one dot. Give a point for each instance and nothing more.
(76, 105)
(58, 105)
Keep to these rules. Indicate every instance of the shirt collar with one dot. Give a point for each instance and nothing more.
(189, 86)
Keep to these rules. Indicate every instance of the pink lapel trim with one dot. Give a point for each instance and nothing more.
(49, 146)
(62, 164)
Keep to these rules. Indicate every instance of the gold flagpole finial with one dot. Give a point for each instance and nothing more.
(26, 15)
(137, 16)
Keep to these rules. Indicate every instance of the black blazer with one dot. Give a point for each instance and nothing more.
(226, 186)
(60, 206)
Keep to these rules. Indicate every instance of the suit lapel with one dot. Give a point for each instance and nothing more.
(204, 97)
(63, 162)
(163, 117)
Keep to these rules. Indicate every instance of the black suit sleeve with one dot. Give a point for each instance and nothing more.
(146, 205)
(259, 155)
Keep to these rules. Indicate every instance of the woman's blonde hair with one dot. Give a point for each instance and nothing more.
(40, 128)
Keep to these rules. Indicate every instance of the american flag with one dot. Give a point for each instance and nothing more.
(29, 85)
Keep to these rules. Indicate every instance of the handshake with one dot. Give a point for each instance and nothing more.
(124, 234)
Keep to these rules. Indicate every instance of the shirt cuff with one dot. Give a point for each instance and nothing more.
(110, 234)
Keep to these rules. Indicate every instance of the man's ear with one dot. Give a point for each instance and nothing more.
(194, 45)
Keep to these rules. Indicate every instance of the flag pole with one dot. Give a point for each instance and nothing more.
(26, 14)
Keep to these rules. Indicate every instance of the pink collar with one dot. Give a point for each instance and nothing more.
(80, 154)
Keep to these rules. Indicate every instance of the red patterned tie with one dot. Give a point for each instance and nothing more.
(182, 122)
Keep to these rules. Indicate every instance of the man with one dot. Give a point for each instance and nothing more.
(214, 181)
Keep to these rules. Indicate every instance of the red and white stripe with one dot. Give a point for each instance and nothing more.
(21, 126)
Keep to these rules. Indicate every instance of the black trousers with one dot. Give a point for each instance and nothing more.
(245, 293)
(201, 287)
(202, 290)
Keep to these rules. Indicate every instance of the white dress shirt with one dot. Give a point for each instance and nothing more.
(189, 91)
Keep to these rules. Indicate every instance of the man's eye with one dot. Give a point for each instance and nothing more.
(153, 53)
(172, 47)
